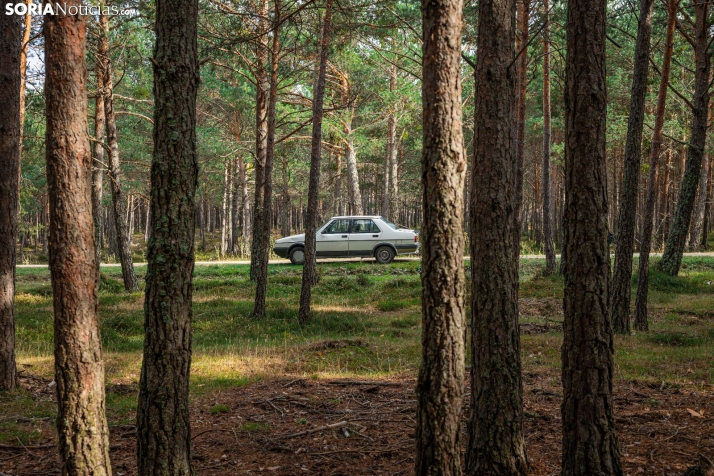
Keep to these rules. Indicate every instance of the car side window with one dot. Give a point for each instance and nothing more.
(365, 226)
(338, 226)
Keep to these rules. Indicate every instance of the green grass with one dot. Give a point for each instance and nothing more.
(366, 323)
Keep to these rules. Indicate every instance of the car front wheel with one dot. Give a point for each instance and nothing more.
(384, 255)
(297, 255)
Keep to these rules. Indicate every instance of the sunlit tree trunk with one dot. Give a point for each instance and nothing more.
(441, 375)
(547, 195)
(162, 421)
(83, 434)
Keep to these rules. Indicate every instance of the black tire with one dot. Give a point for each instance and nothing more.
(384, 254)
(297, 255)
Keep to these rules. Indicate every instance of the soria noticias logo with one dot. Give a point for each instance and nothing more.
(62, 9)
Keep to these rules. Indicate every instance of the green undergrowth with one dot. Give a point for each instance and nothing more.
(366, 323)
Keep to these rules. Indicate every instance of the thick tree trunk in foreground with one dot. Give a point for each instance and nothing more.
(262, 83)
(590, 445)
(163, 428)
(82, 428)
(672, 256)
(622, 275)
(547, 195)
(651, 197)
(495, 444)
(309, 271)
(10, 145)
(120, 222)
(440, 384)
(261, 287)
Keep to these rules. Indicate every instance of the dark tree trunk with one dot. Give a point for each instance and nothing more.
(440, 384)
(120, 222)
(262, 263)
(261, 140)
(622, 276)
(495, 428)
(235, 208)
(82, 428)
(285, 202)
(672, 256)
(697, 222)
(590, 445)
(163, 428)
(10, 145)
(309, 271)
(547, 195)
(522, 38)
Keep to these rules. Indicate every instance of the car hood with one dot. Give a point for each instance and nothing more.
(292, 239)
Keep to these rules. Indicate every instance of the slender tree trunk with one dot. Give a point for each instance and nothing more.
(235, 207)
(82, 428)
(262, 264)
(547, 195)
(123, 238)
(672, 257)
(261, 139)
(285, 205)
(495, 429)
(99, 137)
(163, 425)
(622, 276)
(10, 146)
(390, 163)
(590, 445)
(441, 375)
(522, 38)
(227, 183)
(697, 221)
(352, 174)
(309, 271)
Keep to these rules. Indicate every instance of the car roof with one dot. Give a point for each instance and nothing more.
(356, 217)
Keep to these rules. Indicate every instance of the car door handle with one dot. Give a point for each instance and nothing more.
(344, 236)
(375, 236)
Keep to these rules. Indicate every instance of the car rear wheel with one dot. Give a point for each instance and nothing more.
(384, 254)
(297, 255)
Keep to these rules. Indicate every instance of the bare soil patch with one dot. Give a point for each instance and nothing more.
(303, 426)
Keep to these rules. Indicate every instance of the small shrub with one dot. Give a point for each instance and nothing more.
(215, 409)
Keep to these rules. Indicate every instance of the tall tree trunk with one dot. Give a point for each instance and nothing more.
(235, 206)
(123, 238)
(309, 271)
(672, 257)
(245, 210)
(440, 384)
(547, 195)
(163, 425)
(10, 146)
(262, 83)
(590, 445)
(390, 163)
(522, 39)
(697, 221)
(622, 276)
(261, 287)
(99, 137)
(82, 428)
(285, 202)
(225, 215)
(495, 428)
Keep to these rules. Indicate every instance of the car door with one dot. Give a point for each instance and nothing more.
(363, 236)
(333, 241)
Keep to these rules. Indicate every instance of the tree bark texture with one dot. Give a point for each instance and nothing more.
(440, 384)
(622, 275)
(99, 137)
(590, 445)
(82, 428)
(672, 256)
(163, 428)
(309, 271)
(262, 87)
(352, 174)
(697, 221)
(655, 151)
(495, 428)
(10, 146)
(547, 195)
(522, 38)
(120, 221)
(261, 287)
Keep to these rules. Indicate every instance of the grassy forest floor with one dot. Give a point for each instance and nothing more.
(255, 384)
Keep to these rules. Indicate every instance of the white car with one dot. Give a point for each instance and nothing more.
(353, 236)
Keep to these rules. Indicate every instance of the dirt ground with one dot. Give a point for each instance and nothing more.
(293, 427)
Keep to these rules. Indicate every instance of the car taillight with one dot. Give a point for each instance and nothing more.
(416, 238)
